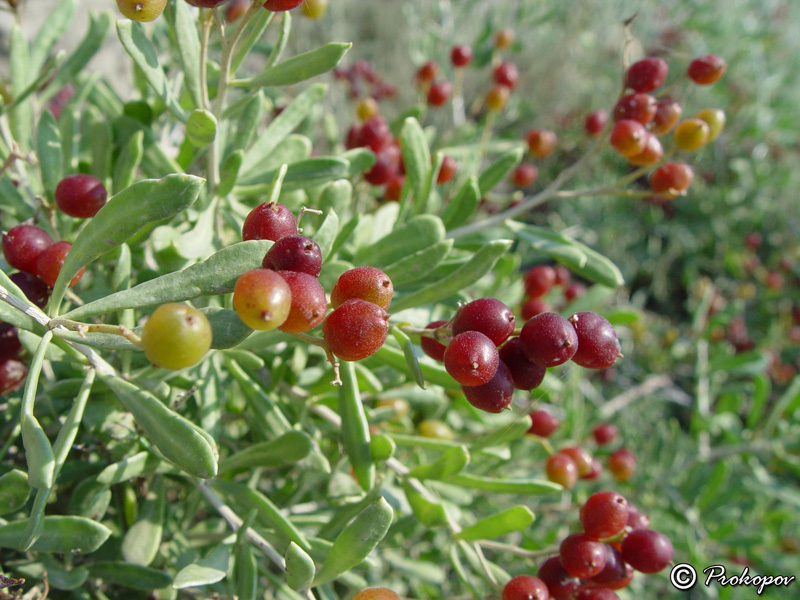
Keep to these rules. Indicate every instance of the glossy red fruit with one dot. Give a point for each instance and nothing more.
(605, 433)
(471, 358)
(430, 346)
(294, 253)
(597, 594)
(366, 283)
(375, 133)
(705, 70)
(206, 3)
(487, 315)
(561, 469)
(539, 280)
(309, 303)
(581, 458)
(281, 5)
(533, 307)
(541, 142)
(506, 74)
(639, 107)
(616, 574)
(595, 122)
(560, 584)
(447, 171)
(427, 72)
(549, 340)
(12, 375)
(597, 470)
(356, 329)
(582, 556)
(647, 551)
(525, 587)
(269, 221)
(262, 299)
(385, 168)
(49, 264)
(526, 375)
(81, 196)
(668, 112)
(563, 275)
(628, 137)
(637, 519)
(34, 288)
(524, 175)
(10, 346)
(652, 153)
(574, 291)
(236, 9)
(672, 179)
(461, 55)
(647, 74)
(543, 424)
(598, 346)
(604, 514)
(22, 246)
(494, 396)
(497, 97)
(394, 189)
(439, 93)
(622, 464)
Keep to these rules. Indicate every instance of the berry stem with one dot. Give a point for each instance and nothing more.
(310, 339)
(302, 213)
(84, 328)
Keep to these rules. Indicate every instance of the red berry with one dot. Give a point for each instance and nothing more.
(461, 55)
(22, 246)
(375, 133)
(487, 315)
(597, 470)
(622, 464)
(541, 142)
(205, 3)
(439, 93)
(427, 72)
(582, 556)
(497, 97)
(49, 264)
(432, 347)
(539, 280)
(385, 168)
(281, 5)
(639, 107)
(524, 175)
(595, 122)
(668, 111)
(308, 302)
(294, 253)
(269, 221)
(366, 283)
(494, 396)
(471, 358)
(81, 196)
(605, 433)
(651, 154)
(543, 424)
(581, 458)
(506, 74)
(561, 469)
(616, 574)
(672, 179)
(526, 375)
(12, 375)
(34, 288)
(637, 519)
(525, 587)
(628, 137)
(647, 551)
(560, 584)
(604, 514)
(394, 189)
(447, 171)
(598, 346)
(356, 329)
(262, 299)
(10, 346)
(705, 70)
(574, 291)
(647, 74)
(549, 340)
(236, 9)
(563, 275)
(597, 594)
(533, 307)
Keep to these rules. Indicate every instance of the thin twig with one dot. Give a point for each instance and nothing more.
(647, 387)
(517, 551)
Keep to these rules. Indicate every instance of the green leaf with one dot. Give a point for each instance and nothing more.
(14, 491)
(101, 141)
(478, 266)
(452, 461)
(505, 486)
(358, 159)
(283, 39)
(245, 569)
(326, 233)
(56, 25)
(434, 374)
(418, 233)
(187, 43)
(416, 157)
(21, 115)
(270, 419)
(128, 162)
(463, 205)
(211, 569)
(742, 364)
(215, 275)
(177, 438)
(410, 354)
(60, 535)
(130, 576)
(126, 213)
(356, 542)
(138, 465)
(502, 435)
(355, 429)
(299, 568)
(258, 25)
(254, 109)
(300, 175)
(288, 449)
(48, 151)
(227, 329)
(142, 541)
(201, 127)
(428, 511)
(499, 169)
(786, 404)
(299, 68)
(416, 266)
(494, 526)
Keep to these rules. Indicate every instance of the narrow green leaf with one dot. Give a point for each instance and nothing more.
(416, 156)
(434, 374)
(418, 233)
(48, 151)
(502, 435)
(271, 421)
(38, 451)
(410, 354)
(326, 233)
(288, 449)
(187, 42)
(138, 465)
(126, 575)
(355, 429)
(786, 404)
(299, 68)
(300, 175)
(449, 463)
(245, 571)
(344, 235)
(257, 25)
(299, 568)
(211, 569)
(504, 486)
(60, 535)
(499, 169)
(142, 541)
(21, 115)
(415, 267)
(358, 159)
(14, 491)
(427, 510)
(56, 25)
(128, 162)
(283, 39)
(497, 525)
(463, 205)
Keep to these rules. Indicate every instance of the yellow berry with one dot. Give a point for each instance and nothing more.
(176, 336)
(715, 118)
(691, 134)
(314, 9)
(142, 10)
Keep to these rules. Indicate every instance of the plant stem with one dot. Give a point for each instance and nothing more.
(517, 551)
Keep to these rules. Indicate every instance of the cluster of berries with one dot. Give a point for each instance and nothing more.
(149, 10)
(12, 370)
(363, 74)
(539, 280)
(616, 541)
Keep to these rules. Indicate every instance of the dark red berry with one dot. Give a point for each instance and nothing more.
(294, 253)
(281, 5)
(668, 111)
(541, 142)
(560, 584)
(471, 358)
(34, 288)
(447, 171)
(705, 70)
(605, 433)
(269, 221)
(12, 375)
(597, 594)
(366, 283)
(597, 470)
(394, 189)
(639, 107)
(430, 346)
(427, 72)
(549, 340)
(637, 519)
(672, 179)
(582, 556)
(622, 464)
(375, 133)
(539, 280)
(439, 93)
(81, 196)
(525, 587)
(561, 469)
(309, 303)
(461, 55)
(22, 246)
(595, 122)
(533, 307)
(506, 74)
(652, 152)
(604, 514)
(385, 168)
(494, 396)
(581, 458)
(628, 137)
(205, 3)
(524, 175)
(598, 346)
(616, 574)
(574, 291)
(563, 275)
(647, 74)
(487, 315)
(49, 264)
(526, 375)
(544, 424)
(10, 346)
(647, 551)
(356, 329)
